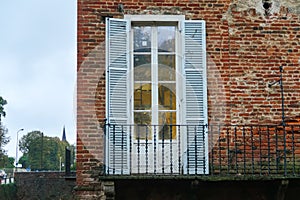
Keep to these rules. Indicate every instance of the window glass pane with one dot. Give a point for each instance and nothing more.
(143, 129)
(143, 118)
(161, 45)
(167, 96)
(142, 67)
(166, 67)
(167, 120)
(142, 38)
(166, 38)
(142, 96)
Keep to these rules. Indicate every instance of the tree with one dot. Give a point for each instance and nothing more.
(28, 139)
(3, 102)
(41, 152)
(7, 162)
(3, 131)
(24, 161)
(3, 139)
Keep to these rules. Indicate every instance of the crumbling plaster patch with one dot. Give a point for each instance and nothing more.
(291, 6)
(154, 10)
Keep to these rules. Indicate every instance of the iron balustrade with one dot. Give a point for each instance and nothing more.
(213, 150)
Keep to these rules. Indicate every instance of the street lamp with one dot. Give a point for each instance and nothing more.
(282, 115)
(17, 145)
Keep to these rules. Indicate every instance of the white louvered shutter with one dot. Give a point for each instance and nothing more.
(117, 66)
(196, 143)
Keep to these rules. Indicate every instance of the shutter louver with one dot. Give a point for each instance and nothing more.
(117, 65)
(196, 161)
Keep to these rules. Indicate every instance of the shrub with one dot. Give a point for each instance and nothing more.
(8, 192)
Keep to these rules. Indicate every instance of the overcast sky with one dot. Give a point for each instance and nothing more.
(38, 67)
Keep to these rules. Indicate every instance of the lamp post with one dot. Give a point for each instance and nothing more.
(281, 91)
(282, 116)
(17, 145)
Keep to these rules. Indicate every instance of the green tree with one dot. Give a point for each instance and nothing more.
(24, 161)
(3, 102)
(27, 140)
(30, 145)
(7, 162)
(3, 131)
(41, 152)
(3, 139)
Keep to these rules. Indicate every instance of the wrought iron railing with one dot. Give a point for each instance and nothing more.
(216, 150)
(255, 150)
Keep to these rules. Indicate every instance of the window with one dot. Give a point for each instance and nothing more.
(156, 79)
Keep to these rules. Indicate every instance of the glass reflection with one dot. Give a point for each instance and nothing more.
(168, 128)
(166, 68)
(143, 130)
(142, 67)
(142, 38)
(167, 96)
(166, 39)
(142, 96)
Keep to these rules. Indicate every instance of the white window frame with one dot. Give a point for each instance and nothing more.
(189, 69)
(159, 20)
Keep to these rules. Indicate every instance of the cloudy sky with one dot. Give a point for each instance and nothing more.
(38, 67)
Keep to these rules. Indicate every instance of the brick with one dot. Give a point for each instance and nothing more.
(244, 48)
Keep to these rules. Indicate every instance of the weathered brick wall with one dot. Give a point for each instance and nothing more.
(247, 41)
(44, 185)
(259, 43)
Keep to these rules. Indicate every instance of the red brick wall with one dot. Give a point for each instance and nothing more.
(245, 47)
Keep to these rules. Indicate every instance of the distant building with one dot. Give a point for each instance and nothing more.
(64, 138)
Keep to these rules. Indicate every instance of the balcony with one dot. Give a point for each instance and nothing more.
(188, 151)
